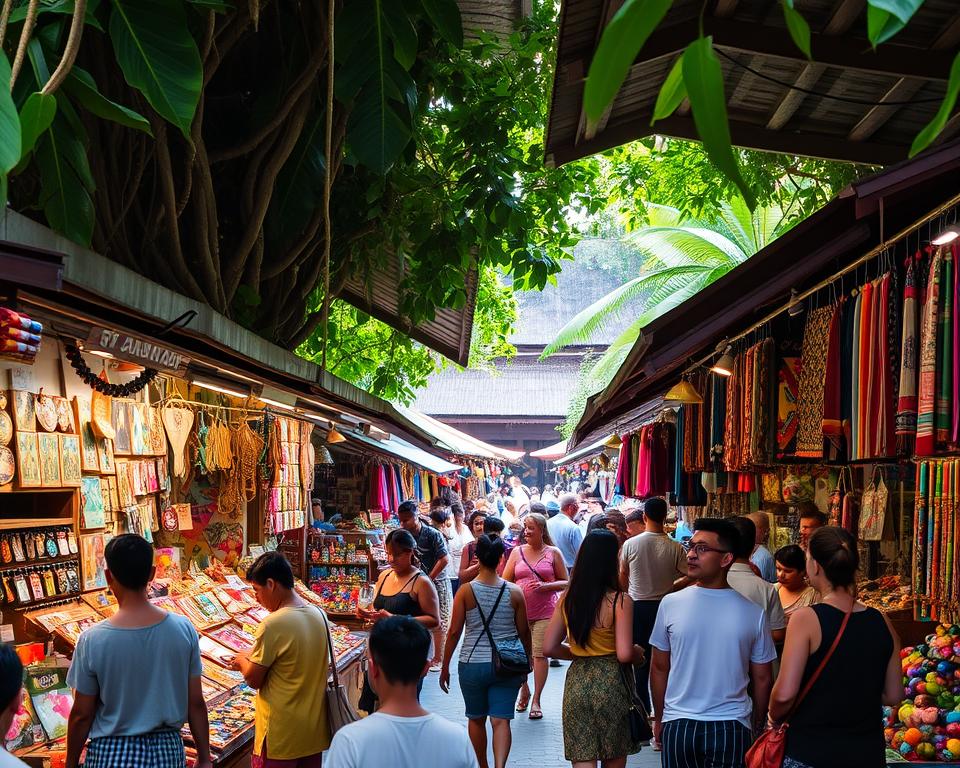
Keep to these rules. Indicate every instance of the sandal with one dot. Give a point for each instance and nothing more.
(536, 713)
(522, 704)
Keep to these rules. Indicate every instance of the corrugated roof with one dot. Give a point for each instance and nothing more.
(522, 387)
(460, 443)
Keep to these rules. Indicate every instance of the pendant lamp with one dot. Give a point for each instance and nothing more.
(323, 455)
(613, 441)
(333, 436)
(724, 365)
(683, 392)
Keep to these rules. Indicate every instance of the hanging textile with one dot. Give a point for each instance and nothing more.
(745, 398)
(641, 488)
(623, 462)
(634, 463)
(832, 424)
(867, 323)
(926, 403)
(761, 436)
(788, 383)
(661, 459)
(855, 378)
(943, 421)
(813, 359)
(731, 433)
(378, 488)
(718, 404)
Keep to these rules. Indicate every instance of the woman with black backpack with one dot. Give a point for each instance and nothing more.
(494, 658)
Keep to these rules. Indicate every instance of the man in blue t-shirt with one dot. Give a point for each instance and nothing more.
(566, 534)
(136, 676)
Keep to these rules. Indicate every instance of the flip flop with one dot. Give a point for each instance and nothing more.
(536, 713)
(522, 707)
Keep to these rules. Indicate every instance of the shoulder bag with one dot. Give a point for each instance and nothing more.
(637, 717)
(770, 748)
(340, 711)
(509, 656)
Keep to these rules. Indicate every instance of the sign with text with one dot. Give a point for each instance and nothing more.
(135, 349)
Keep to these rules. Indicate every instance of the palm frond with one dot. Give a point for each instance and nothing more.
(676, 246)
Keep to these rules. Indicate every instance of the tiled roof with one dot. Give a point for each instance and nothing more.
(522, 387)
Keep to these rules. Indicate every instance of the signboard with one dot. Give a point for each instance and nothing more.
(136, 349)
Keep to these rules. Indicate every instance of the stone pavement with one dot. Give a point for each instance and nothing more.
(536, 743)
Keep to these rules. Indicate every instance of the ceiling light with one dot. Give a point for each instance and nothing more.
(795, 307)
(218, 388)
(98, 353)
(276, 403)
(613, 441)
(323, 455)
(333, 436)
(683, 392)
(948, 235)
(724, 365)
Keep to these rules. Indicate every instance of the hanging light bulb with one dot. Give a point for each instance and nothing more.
(683, 392)
(725, 363)
(948, 235)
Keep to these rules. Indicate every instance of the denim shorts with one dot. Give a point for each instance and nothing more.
(486, 695)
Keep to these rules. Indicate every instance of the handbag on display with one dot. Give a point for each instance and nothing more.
(873, 509)
(850, 509)
(637, 716)
(340, 711)
(835, 507)
(509, 656)
(770, 747)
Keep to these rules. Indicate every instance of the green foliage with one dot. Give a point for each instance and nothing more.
(9, 123)
(35, 117)
(698, 76)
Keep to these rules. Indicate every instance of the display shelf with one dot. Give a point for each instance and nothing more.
(45, 600)
(40, 563)
(8, 524)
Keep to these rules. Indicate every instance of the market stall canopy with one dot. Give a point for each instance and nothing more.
(844, 229)
(99, 292)
(401, 449)
(459, 443)
(551, 452)
(586, 452)
(849, 103)
(378, 293)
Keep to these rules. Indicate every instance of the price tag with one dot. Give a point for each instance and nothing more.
(6, 633)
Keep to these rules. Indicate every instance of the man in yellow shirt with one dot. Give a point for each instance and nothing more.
(288, 666)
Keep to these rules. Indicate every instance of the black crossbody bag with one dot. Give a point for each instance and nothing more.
(509, 656)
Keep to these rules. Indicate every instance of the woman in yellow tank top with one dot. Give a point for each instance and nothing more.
(593, 627)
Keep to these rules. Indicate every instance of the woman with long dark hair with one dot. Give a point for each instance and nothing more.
(596, 620)
(822, 734)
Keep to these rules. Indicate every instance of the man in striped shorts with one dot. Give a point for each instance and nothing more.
(709, 642)
(136, 676)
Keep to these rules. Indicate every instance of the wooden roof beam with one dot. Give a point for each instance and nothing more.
(843, 17)
(903, 90)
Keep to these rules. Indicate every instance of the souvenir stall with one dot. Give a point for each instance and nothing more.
(111, 434)
(593, 467)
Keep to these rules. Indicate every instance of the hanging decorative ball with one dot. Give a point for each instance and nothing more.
(93, 381)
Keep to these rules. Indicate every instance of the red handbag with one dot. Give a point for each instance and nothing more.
(769, 748)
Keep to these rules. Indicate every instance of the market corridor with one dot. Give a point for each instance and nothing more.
(536, 744)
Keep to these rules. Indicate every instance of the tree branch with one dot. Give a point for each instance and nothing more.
(25, 35)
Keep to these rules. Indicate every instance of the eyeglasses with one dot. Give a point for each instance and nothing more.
(701, 549)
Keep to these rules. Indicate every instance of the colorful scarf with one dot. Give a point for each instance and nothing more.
(907, 396)
(746, 410)
(813, 358)
(855, 380)
(787, 393)
(761, 435)
(885, 433)
(731, 432)
(942, 421)
(928, 360)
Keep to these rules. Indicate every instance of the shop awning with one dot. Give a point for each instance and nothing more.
(96, 290)
(459, 443)
(551, 452)
(401, 449)
(856, 221)
(850, 103)
(586, 452)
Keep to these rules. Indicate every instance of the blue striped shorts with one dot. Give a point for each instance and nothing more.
(704, 744)
(163, 749)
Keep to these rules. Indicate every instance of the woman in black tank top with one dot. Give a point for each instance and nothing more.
(400, 590)
(837, 724)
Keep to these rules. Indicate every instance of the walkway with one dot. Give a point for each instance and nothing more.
(537, 743)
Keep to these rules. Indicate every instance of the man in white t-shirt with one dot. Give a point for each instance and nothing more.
(709, 644)
(650, 565)
(743, 579)
(401, 734)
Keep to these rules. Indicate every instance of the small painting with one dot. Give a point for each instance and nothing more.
(65, 417)
(93, 506)
(89, 459)
(124, 486)
(49, 443)
(139, 430)
(28, 460)
(24, 412)
(158, 438)
(105, 456)
(92, 547)
(121, 426)
(70, 472)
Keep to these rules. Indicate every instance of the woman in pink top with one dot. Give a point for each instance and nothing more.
(537, 568)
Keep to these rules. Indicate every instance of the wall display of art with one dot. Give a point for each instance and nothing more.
(70, 471)
(90, 459)
(92, 547)
(49, 447)
(107, 463)
(65, 417)
(24, 411)
(92, 507)
(120, 418)
(28, 460)
(8, 465)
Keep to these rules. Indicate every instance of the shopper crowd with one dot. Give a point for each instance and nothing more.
(687, 646)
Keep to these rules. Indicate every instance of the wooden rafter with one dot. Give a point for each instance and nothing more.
(841, 20)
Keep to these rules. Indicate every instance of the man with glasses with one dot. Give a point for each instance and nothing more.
(709, 643)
